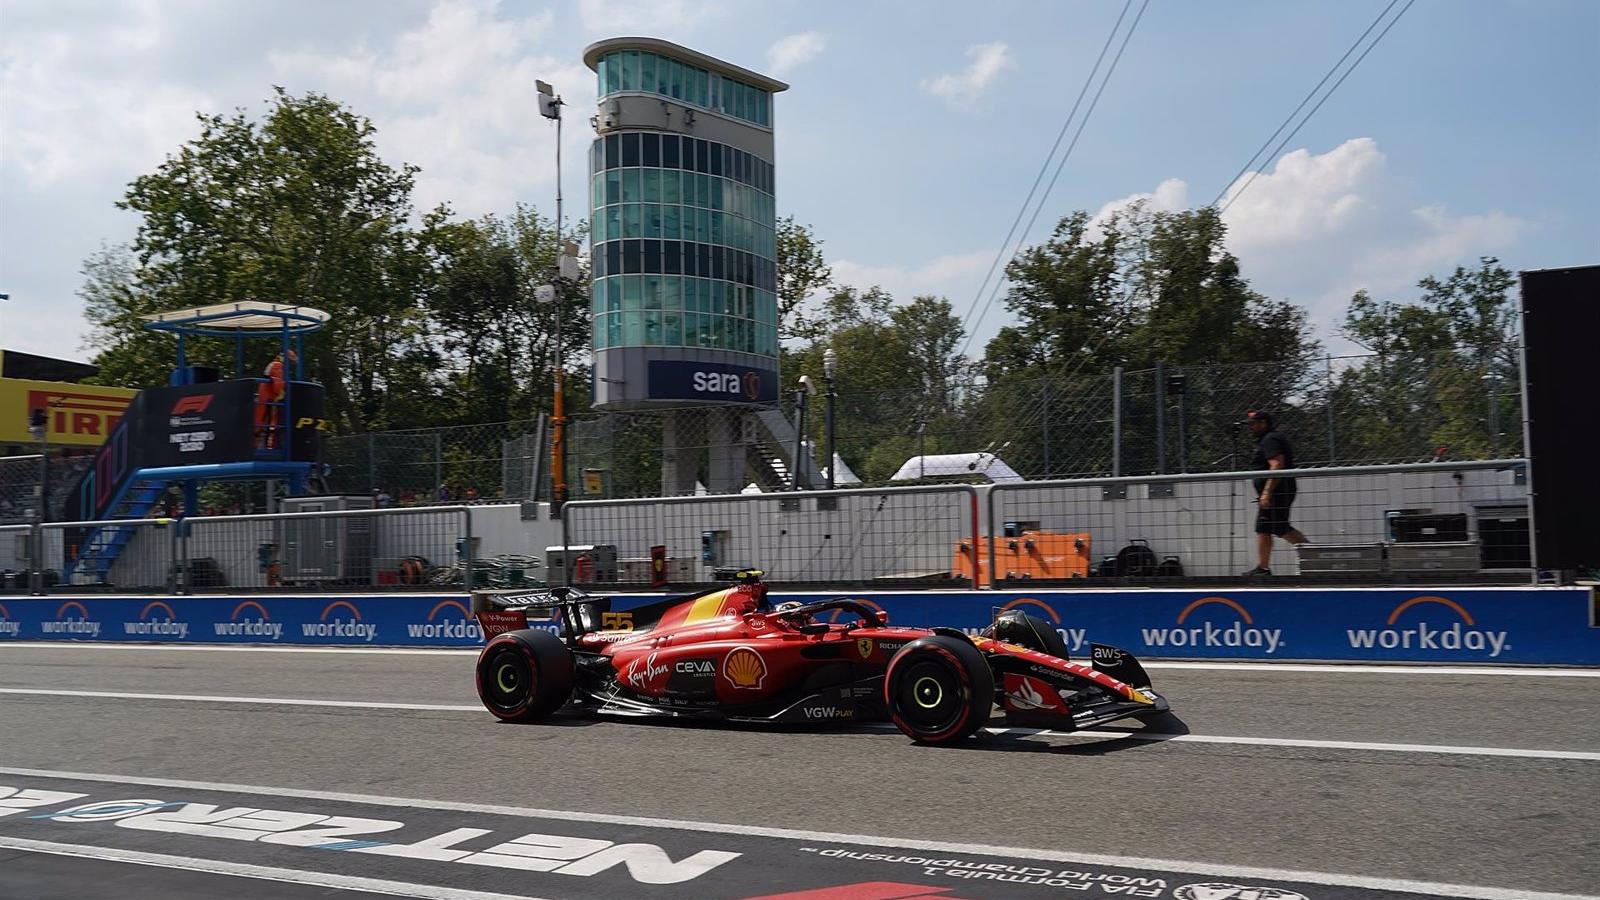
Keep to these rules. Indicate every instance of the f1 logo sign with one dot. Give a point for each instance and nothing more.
(194, 404)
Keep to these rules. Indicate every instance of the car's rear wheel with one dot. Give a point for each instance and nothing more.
(939, 689)
(524, 675)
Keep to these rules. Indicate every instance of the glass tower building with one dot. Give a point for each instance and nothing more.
(682, 229)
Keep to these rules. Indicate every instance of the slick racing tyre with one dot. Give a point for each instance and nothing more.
(524, 675)
(939, 689)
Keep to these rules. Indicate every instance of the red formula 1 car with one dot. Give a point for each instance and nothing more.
(727, 654)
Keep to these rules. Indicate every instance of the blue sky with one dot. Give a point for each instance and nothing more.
(908, 139)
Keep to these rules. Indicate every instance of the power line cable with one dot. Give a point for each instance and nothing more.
(1290, 136)
(1060, 165)
(1045, 166)
(1303, 101)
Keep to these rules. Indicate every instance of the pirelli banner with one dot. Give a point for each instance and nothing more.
(80, 415)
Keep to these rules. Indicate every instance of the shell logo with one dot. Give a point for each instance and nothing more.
(744, 668)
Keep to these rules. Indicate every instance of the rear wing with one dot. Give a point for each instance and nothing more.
(575, 612)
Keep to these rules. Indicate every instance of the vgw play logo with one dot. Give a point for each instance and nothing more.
(447, 626)
(167, 625)
(339, 627)
(242, 625)
(1242, 632)
(1458, 636)
(8, 626)
(81, 626)
(1076, 638)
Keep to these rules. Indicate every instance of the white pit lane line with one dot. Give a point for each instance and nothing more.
(1092, 734)
(244, 870)
(1318, 668)
(1398, 885)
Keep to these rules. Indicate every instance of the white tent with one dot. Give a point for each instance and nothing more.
(945, 465)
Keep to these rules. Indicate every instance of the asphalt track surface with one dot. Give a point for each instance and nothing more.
(196, 773)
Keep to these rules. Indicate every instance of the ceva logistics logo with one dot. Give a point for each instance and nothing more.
(462, 626)
(1425, 636)
(259, 626)
(338, 626)
(81, 626)
(147, 626)
(1241, 633)
(8, 628)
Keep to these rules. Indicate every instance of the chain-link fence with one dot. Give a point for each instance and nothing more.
(20, 477)
(1353, 410)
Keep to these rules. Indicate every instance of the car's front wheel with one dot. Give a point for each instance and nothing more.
(524, 675)
(939, 689)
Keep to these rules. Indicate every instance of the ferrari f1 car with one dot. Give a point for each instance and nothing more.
(728, 654)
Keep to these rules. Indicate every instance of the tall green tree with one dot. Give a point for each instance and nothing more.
(802, 271)
(1442, 370)
(296, 208)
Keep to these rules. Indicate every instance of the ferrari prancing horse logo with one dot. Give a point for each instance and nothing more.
(864, 647)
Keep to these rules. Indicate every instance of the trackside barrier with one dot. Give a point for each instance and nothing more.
(422, 548)
(885, 536)
(1207, 522)
(1509, 625)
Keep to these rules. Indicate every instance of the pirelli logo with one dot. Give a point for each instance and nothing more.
(78, 415)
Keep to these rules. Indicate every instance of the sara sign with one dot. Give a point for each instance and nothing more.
(720, 382)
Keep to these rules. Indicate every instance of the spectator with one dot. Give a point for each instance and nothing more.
(1274, 496)
(472, 494)
(444, 493)
(383, 500)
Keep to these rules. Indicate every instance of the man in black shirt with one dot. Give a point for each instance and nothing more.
(1274, 496)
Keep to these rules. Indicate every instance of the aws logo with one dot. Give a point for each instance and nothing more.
(157, 620)
(336, 626)
(461, 626)
(8, 628)
(1462, 634)
(79, 626)
(242, 624)
(1206, 632)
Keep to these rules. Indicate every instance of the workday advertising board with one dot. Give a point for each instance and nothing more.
(1542, 626)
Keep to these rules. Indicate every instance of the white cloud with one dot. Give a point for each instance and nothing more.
(639, 17)
(467, 119)
(1169, 196)
(794, 51)
(64, 119)
(942, 276)
(985, 64)
(1316, 228)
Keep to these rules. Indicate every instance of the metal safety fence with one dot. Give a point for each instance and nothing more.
(362, 550)
(1165, 419)
(1429, 522)
(889, 537)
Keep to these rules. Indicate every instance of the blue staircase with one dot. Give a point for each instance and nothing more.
(100, 548)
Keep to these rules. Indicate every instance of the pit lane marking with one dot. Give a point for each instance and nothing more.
(261, 873)
(1086, 734)
(1180, 867)
(1331, 667)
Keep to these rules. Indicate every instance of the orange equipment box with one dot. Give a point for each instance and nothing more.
(1033, 554)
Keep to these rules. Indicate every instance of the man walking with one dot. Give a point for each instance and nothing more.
(1274, 495)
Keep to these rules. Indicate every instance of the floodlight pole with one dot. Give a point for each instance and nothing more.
(550, 107)
(830, 368)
